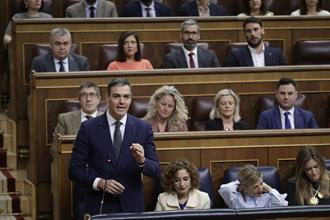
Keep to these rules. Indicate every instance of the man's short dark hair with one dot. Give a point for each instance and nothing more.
(119, 82)
(90, 85)
(252, 20)
(286, 81)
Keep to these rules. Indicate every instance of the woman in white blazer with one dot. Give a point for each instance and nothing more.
(181, 183)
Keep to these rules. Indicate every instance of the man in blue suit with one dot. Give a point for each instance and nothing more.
(145, 8)
(117, 148)
(285, 115)
(190, 55)
(256, 53)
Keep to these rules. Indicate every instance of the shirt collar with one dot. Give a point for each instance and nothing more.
(65, 60)
(94, 5)
(252, 50)
(83, 114)
(143, 6)
(112, 120)
(187, 52)
(290, 110)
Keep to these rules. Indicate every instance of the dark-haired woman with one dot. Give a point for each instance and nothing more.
(129, 54)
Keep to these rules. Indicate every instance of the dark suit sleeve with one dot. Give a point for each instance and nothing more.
(312, 122)
(282, 60)
(79, 159)
(36, 65)
(183, 11)
(85, 64)
(210, 125)
(151, 167)
(214, 60)
(231, 60)
(168, 62)
(292, 194)
(262, 122)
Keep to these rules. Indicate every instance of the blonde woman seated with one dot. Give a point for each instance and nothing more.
(255, 8)
(129, 54)
(167, 110)
(311, 184)
(181, 183)
(310, 7)
(249, 191)
(225, 112)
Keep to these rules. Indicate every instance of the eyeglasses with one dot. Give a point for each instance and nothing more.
(85, 95)
(193, 33)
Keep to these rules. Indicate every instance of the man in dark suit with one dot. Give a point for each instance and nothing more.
(117, 147)
(145, 8)
(68, 123)
(285, 115)
(202, 8)
(91, 9)
(190, 55)
(256, 52)
(59, 58)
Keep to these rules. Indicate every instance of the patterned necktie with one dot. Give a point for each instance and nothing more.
(91, 12)
(117, 139)
(191, 60)
(287, 123)
(148, 12)
(61, 66)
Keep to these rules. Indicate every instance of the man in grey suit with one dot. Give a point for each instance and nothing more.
(59, 58)
(91, 9)
(68, 124)
(190, 55)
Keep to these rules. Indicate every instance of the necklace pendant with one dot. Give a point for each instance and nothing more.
(320, 195)
(313, 201)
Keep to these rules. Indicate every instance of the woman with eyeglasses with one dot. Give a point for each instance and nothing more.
(181, 183)
(129, 55)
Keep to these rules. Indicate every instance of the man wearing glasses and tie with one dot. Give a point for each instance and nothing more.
(285, 115)
(60, 58)
(190, 55)
(68, 123)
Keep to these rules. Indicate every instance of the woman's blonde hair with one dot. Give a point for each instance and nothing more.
(247, 176)
(215, 112)
(303, 184)
(180, 112)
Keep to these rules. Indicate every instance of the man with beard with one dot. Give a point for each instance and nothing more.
(256, 53)
(145, 8)
(91, 9)
(190, 55)
(285, 115)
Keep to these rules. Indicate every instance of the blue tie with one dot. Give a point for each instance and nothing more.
(287, 123)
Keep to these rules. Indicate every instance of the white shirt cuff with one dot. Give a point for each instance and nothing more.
(95, 183)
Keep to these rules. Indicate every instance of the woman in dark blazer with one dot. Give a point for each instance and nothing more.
(225, 112)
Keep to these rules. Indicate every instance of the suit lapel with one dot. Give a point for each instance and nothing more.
(72, 64)
(139, 9)
(182, 58)
(51, 63)
(100, 9)
(105, 138)
(277, 118)
(248, 57)
(268, 56)
(130, 131)
(298, 119)
(76, 121)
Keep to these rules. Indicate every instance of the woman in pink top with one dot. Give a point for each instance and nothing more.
(129, 54)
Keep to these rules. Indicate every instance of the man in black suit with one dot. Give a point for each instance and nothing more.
(145, 8)
(190, 55)
(256, 53)
(202, 8)
(59, 58)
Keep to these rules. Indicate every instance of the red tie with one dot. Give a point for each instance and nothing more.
(191, 60)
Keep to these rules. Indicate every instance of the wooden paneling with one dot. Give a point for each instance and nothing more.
(213, 150)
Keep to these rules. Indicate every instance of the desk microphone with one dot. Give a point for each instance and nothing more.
(106, 179)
